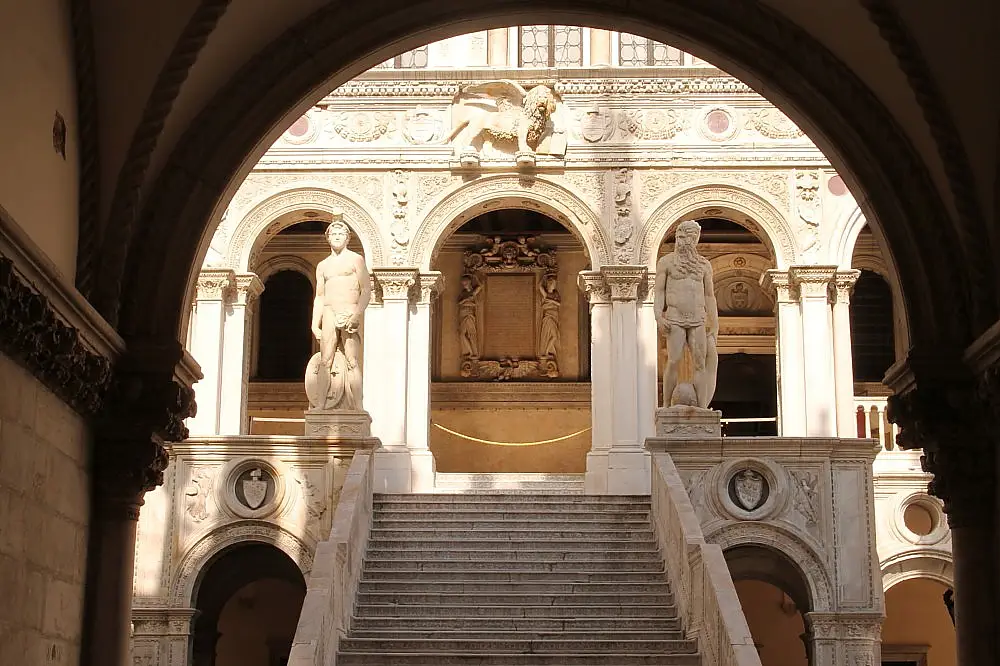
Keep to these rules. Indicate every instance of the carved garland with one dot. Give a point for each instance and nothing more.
(32, 333)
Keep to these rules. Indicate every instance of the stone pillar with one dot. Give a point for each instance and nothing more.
(791, 362)
(813, 284)
(628, 463)
(214, 295)
(236, 357)
(418, 391)
(497, 47)
(600, 48)
(648, 370)
(162, 636)
(843, 364)
(593, 286)
(392, 462)
(844, 639)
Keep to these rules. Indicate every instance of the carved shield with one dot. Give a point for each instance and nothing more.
(254, 490)
(749, 486)
(595, 124)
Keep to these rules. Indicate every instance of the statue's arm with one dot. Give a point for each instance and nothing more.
(317, 317)
(365, 282)
(659, 288)
(711, 304)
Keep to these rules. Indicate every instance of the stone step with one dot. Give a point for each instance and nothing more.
(382, 534)
(638, 554)
(483, 576)
(512, 513)
(659, 625)
(451, 498)
(420, 521)
(547, 611)
(508, 477)
(482, 542)
(481, 659)
(471, 586)
(554, 504)
(446, 632)
(516, 645)
(495, 599)
(510, 565)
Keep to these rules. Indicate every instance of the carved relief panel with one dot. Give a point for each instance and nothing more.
(508, 311)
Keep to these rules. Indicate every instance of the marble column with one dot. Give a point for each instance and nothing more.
(497, 47)
(791, 362)
(600, 47)
(593, 286)
(813, 285)
(843, 364)
(844, 639)
(215, 291)
(236, 356)
(648, 369)
(392, 461)
(418, 391)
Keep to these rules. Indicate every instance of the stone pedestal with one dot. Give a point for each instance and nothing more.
(340, 423)
(685, 422)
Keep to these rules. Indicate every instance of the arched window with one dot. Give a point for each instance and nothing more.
(872, 341)
(285, 337)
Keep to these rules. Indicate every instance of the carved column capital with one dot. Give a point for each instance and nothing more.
(395, 284)
(785, 288)
(594, 287)
(845, 626)
(248, 288)
(624, 282)
(813, 281)
(430, 286)
(843, 285)
(216, 285)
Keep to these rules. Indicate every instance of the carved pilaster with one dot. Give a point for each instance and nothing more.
(781, 283)
(813, 281)
(430, 286)
(594, 287)
(844, 638)
(396, 284)
(624, 282)
(216, 285)
(248, 289)
(842, 286)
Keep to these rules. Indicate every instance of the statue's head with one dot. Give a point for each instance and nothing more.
(688, 233)
(466, 282)
(541, 101)
(338, 233)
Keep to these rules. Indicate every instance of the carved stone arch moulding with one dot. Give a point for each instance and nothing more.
(936, 565)
(259, 224)
(193, 563)
(285, 262)
(770, 536)
(845, 237)
(459, 205)
(755, 212)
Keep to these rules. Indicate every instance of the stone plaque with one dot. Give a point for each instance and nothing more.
(510, 316)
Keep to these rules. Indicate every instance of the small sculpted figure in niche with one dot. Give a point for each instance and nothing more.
(468, 307)
(688, 315)
(343, 290)
(548, 335)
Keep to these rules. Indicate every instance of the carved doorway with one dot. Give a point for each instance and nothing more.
(510, 386)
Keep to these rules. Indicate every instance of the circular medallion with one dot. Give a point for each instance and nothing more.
(748, 489)
(254, 488)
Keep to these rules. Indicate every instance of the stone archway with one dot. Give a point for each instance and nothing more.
(456, 206)
(933, 564)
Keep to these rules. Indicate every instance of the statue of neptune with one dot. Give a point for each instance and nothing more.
(343, 290)
(687, 313)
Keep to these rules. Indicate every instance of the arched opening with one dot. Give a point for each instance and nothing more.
(248, 600)
(746, 390)
(775, 598)
(285, 343)
(918, 629)
(872, 328)
(511, 361)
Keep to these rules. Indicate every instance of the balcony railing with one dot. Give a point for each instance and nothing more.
(873, 421)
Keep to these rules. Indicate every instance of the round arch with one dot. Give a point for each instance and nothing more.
(458, 205)
(768, 222)
(261, 223)
(184, 586)
(817, 578)
(937, 565)
(150, 265)
(286, 262)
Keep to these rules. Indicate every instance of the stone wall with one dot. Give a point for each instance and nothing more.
(44, 516)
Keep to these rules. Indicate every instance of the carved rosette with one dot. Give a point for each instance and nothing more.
(395, 284)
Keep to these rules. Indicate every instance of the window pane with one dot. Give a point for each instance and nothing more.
(534, 45)
(632, 50)
(415, 59)
(569, 46)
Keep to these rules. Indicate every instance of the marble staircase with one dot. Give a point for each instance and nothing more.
(509, 483)
(514, 579)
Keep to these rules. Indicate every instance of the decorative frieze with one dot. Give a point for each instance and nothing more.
(623, 223)
(399, 228)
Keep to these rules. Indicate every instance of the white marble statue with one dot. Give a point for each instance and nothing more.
(548, 331)
(468, 316)
(687, 314)
(343, 290)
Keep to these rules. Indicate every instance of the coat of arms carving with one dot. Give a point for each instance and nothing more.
(748, 489)
(255, 489)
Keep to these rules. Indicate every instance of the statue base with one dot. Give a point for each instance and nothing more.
(338, 423)
(686, 422)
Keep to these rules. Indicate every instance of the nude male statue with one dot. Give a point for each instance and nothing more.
(343, 290)
(687, 313)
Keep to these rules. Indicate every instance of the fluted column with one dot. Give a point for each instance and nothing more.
(236, 356)
(813, 284)
(791, 361)
(215, 292)
(843, 364)
(418, 388)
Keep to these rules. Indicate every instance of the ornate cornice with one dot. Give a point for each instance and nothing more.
(395, 284)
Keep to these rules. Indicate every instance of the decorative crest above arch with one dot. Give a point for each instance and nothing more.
(260, 223)
(754, 209)
(458, 205)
